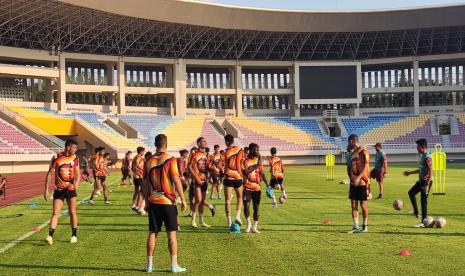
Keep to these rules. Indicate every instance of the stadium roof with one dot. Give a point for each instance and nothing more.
(187, 29)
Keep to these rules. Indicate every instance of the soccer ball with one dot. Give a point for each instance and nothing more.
(440, 222)
(398, 204)
(282, 199)
(142, 212)
(428, 222)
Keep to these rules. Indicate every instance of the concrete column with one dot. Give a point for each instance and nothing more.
(238, 86)
(109, 74)
(169, 76)
(121, 86)
(180, 88)
(416, 87)
(61, 93)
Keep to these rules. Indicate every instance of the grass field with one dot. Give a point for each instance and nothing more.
(293, 239)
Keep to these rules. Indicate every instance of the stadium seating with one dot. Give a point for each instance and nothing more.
(12, 140)
(458, 140)
(148, 126)
(271, 132)
(95, 122)
(392, 131)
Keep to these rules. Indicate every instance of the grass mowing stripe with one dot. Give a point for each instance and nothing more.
(27, 235)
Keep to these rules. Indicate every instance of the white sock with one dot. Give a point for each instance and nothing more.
(210, 206)
(238, 214)
(255, 224)
(284, 193)
(201, 218)
(356, 222)
(149, 261)
(229, 220)
(365, 221)
(193, 216)
(190, 213)
(174, 261)
(249, 224)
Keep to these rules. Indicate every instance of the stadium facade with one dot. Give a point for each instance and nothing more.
(181, 59)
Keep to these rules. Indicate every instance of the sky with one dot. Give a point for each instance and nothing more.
(335, 4)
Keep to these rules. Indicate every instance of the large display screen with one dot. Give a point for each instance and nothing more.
(328, 82)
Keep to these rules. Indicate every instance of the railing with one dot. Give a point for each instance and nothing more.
(29, 150)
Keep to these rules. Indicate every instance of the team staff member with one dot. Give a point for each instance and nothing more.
(253, 176)
(380, 169)
(424, 183)
(126, 169)
(65, 168)
(161, 184)
(359, 175)
(234, 157)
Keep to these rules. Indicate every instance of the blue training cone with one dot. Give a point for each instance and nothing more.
(235, 228)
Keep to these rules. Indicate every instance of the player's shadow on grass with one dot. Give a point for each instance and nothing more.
(113, 224)
(29, 266)
(442, 234)
(298, 198)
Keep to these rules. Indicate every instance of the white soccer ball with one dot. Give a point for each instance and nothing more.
(142, 212)
(440, 222)
(398, 204)
(282, 199)
(428, 222)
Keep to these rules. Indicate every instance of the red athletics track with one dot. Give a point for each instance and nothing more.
(22, 186)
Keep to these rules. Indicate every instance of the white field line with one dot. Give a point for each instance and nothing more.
(27, 235)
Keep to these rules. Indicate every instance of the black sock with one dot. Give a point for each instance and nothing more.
(91, 197)
(74, 230)
(51, 231)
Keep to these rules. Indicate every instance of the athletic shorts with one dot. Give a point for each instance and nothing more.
(137, 182)
(203, 187)
(64, 194)
(215, 178)
(160, 214)
(255, 196)
(102, 178)
(125, 173)
(378, 175)
(191, 190)
(358, 192)
(232, 183)
(276, 181)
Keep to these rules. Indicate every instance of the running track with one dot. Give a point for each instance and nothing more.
(23, 186)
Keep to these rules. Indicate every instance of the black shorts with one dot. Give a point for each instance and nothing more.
(102, 178)
(126, 173)
(378, 175)
(216, 178)
(159, 214)
(64, 194)
(191, 190)
(232, 183)
(137, 182)
(249, 195)
(358, 192)
(203, 187)
(276, 181)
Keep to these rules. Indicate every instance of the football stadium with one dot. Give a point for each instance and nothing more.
(193, 136)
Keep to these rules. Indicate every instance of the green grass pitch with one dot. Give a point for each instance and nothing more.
(293, 239)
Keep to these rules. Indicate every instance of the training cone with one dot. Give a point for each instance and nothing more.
(327, 222)
(404, 252)
(36, 229)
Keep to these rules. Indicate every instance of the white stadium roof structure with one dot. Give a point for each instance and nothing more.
(187, 29)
